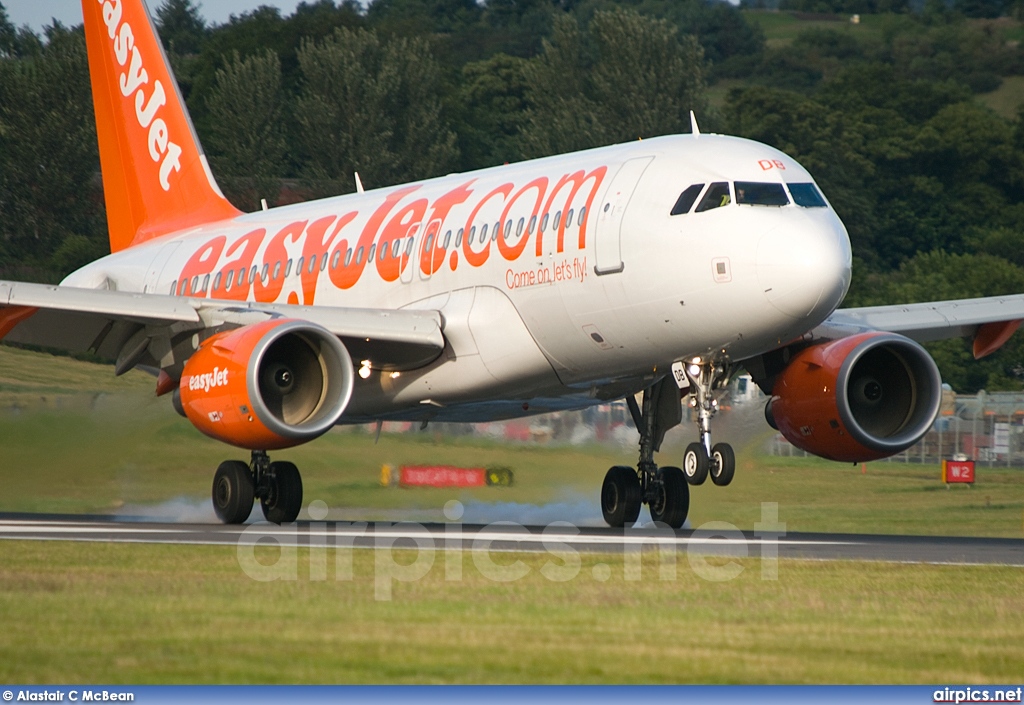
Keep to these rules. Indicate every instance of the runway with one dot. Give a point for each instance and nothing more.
(510, 537)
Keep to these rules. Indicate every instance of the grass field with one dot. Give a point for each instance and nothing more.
(108, 613)
(781, 28)
(1008, 99)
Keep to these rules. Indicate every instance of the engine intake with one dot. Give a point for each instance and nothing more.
(269, 385)
(860, 398)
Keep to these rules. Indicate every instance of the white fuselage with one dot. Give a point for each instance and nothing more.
(538, 316)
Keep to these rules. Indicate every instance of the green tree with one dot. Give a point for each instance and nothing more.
(492, 95)
(626, 76)
(181, 27)
(8, 34)
(52, 219)
(246, 134)
(371, 106)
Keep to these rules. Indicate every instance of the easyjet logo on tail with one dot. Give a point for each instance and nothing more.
(133, 81)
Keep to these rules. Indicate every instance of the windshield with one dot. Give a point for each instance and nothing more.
(755, 193)
(807, 195)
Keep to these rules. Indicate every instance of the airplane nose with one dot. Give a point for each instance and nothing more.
(803, 266)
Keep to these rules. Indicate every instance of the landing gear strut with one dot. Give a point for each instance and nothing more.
(664, 489)
(702, 459)
(278, 486)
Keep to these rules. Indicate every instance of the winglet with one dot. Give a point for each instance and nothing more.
(992, 336)
(359, 184)
(693, 125)
(155, 176)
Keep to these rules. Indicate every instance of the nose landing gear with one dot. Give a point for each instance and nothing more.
(277, 485)
(702, 459)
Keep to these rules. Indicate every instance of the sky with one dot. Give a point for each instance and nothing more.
(37, 13)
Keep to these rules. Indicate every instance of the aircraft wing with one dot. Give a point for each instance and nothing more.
(107, 323)
(990, 321)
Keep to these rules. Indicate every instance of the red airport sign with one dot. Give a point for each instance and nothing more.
(958, 471)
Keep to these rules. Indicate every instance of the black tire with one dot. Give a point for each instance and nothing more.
(695, 464)
(723, 464)
(284, 499)
(620, 496)
(232, 492)
(672, 504)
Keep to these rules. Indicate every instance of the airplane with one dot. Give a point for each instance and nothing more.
(656, 268)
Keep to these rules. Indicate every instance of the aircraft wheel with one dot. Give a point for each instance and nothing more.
(284, 498)
(232, 492)
(695, 464)
(620, 496)
(673, 501)
(723, 464)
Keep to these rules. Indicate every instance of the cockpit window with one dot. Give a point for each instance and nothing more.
(716, 197)
(686, 199)
(756, 193)
(807, 195)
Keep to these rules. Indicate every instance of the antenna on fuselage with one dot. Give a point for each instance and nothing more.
(693, 125)
(359, 183)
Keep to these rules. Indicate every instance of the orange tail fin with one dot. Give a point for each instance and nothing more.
(155, 176)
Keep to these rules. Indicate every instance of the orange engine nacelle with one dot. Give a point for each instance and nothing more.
(268, 385)
(856, 399)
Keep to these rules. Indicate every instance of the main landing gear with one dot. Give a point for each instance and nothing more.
(666, 490)
(278, 486)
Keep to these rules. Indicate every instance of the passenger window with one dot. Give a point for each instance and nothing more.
(396, 249)
(384, 251)
(240, 280)
(348, 256)
(288, 269)
(216, 281)
(359, 256)
(558, 218)
(757, 193)
(429, 244)
(334, 260)
(266, 271)
(686, 199)
(483, 233)
(519, 226)
(372, 252)
(312, 263)
(568, 218)
(277, 270)
(807, 195)
(298, 267)
(544, 223)
(497, 229)
(533, 224)
(716, 197)
(408, 248)
(447, 240)
(583, 214)
(195, 284)
(458, 238)
(174, 287)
